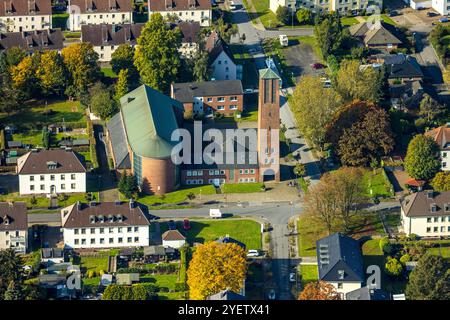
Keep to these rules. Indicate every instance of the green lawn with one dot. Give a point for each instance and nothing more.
(308, 274)
(41, 202)
(349, 21)
(177, 196)
(59, 20)
(90, 283)
(378, 183)
(266, 16)
(95, 263)
(443, 250)
(34, 115)
(385, 19)
(245, 231)
(242, 187)
(308, 234)
(371, 248)
(250, 113)
(161, 280)
(107, 72)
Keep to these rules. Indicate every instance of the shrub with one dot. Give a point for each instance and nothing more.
(180, 286)
(393, 267)
(151, 287)
(385, 245)
(405, 258)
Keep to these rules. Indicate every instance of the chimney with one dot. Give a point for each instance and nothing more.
(78, 205)
(92, 203)
(430, 194)
(132, 204)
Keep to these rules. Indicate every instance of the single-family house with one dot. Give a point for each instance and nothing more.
(441, 135)
(173, 239)
(14, 226)
(221, 62)
(376, 35)
(367, 293)
(190, 32)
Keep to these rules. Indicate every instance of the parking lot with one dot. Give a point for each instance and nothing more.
(299, 57)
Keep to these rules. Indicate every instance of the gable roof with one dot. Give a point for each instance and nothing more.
(225, 295)
(441, 135)
(372, 35)
(149, 120)
(13, 216)
(214, 45)
(177, 5)
(30, 41)
(67, 161)
(268, 73)
(185, 92)
(108, 34)
(97, 6)
(124, 214)
(189, 31)
(339, 259)
(421, 204)
(402, 66)
(172, 235)
(25, 7)
(365, 293)
(119, 142)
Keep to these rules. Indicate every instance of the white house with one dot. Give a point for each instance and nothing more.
(221, 61)
(51, 172)
(99, 12)
(186, 10)
(14, 226)
(173, 239)
(441, 136)
(106, 38)
(340, 263)
(190, 38)
(426, 214)
(105, 225)
(326, 5)
(25, 15)
(441, 6)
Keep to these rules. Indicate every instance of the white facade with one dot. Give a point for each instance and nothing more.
(188, 49)
(25, 23)
(76, 19)
(105, 52)
(106, 237)
(202, 16)
(176, 244)
(274, 4)
(14, 239)
(223, 68)
(325, 5)
(345, 287)
(445, 160)
(52, 183)
(423, 226)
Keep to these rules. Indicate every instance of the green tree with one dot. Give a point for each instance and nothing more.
(10, 269)
(14, 56)
(393, 267)
(139, 292)
(385, 245)
(441, 182)
(200, 69)
(101, 102)
(430, 109)
(81, 60)
(157, 58)
(422, 158)
(123, 58)
(46, 136)
(300, 169)
(14, 291)
(128, 185)
(304, 16)
(121, 87)
(430, 279)
(283, 14)
(329, 34)
(52, 73)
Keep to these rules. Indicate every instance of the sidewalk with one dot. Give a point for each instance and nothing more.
(251, 11)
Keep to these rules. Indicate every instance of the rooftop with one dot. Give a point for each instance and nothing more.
(30, 41)
(185, 92)
(13, 216)
(25, 7)
(426, 203)
(172, 235)
(109, 34)
(92, 6)
(50, 161)
(176, 5)
(441, 135)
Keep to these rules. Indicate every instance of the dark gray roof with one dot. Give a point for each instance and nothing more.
(14, 144)
(373, 35)
(185, 92)
(119, 142)
(189, 31)
(402, 66)
(154, 251)
(13, 216)
(365, 293)
(339, 259)
(225, 295)
(107, 34)
(30, 41)
(422, 204)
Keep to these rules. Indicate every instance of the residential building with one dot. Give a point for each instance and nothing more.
(190, 38)
(222, 96)
(226, 295)
(186, 10)
(25, 15)
(367, 293)
(340, 263)
(99, 12)
(14, 226)
(31, 41)
(441, 135)
(342, 6)
(105, 225)
(401, 68)
(291, 4)
(441, 6)
(380, 36)
(51, 172)
(106, 38)
(426, 214)
(221, 61)
(173, 239)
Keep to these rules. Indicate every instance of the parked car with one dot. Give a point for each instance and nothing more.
(317, 66)
(292, 277)
(393, 13)
(253, 253)
(215, 213)
(172, 225)
(186, 224)
(271, 294)
(248, 91)
(443, 20)
(431, 14)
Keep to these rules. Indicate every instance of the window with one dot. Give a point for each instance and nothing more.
(93, 241)
(120, 240)
(42, 177)
(136, 239)
(129, 229)
(428, 229)
(63, 186)
(111, 240)
(63, 177)
(83, 231)
(234, 98)
(136, 229)
(72, 186)
(76, 231)
(233, 107)
(42, 187)
(77, 241)
(129, 239)
(31, 178)
(52, 177)
(220, 107)
(216, 172)
(209, 99)
(340, 285)
(32, 188)
(428, 220)
(119, 229)
(92, 230)
(111, 230)
(435, 219)
(435, 229)
(102, 230)
(72, 176)
(102, 240)
(200, 172)
(83, 241)
(220, 99)
(189, 173)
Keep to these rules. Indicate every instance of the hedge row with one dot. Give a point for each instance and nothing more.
(92, 144)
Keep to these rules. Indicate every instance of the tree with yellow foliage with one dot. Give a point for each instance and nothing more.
(52, 73)
(215, 267)
(23, 75)
(319, 290)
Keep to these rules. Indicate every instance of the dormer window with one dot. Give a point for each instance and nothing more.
(92, 219)
(341, 274)
(433, 207)
(430, 194)
(119, 218)
(101, 218)
(447, 207)
(51, 165)
(6, 220)
(111, 218)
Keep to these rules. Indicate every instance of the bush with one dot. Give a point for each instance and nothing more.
(180, 286)
(393, 267)
(385, 245)
(405, 258)
(91, 274)
(151, 287)
(164, 289)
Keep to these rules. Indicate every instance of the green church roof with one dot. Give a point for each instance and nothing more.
(149, 121)
(268, 74)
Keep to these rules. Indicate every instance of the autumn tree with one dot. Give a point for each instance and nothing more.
(215, 267)
(441, 182)
(313, 107)
(157, 58)
(430, 279)
(80, 60)
(23, 75)
(121, 88)
(51, 73)
(422, 158)
(393, 267)
(353, 82)
(319, 290)
(367, 140)
(300, 169)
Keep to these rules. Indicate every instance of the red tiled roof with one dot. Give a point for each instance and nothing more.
(441, 135)
(172, 235)
(25, 7)
(177, 5)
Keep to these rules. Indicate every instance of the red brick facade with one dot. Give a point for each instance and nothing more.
(207, 176)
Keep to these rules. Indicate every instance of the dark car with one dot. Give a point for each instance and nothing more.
(186, 224)
(172, 225)
(393, 13)
(431, 14)
(316, 66)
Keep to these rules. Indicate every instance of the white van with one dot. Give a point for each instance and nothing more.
(284, 41)
(215, 213)
(253, 253)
